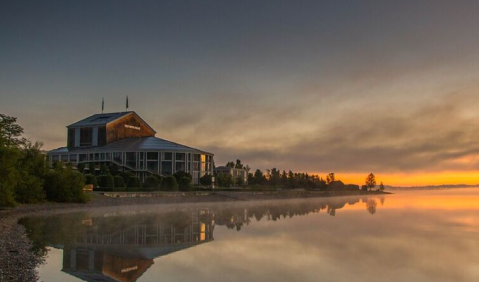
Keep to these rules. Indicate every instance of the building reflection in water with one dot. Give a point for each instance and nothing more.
(122, 246)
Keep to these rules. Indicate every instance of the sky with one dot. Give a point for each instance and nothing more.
(350, 87)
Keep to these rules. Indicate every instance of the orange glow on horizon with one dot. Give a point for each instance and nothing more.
(412, 179)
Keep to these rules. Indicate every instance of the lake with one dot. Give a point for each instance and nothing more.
(407, 236)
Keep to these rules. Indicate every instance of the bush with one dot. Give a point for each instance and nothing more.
(90, 179)
(113, 169)
(126, 175)
(133, 182)
(185, 184)
(81, 167)
(206, 180)
(169, 184)
(119, 181)
(104, 169)
(106, 181)
(180, 174)
(91, 168)
(152, 183)
(65, 185)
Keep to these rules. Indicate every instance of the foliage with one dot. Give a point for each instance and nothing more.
(180, 174)
(113, 169)
(91, 168)
(119, 182)
(106, 181)
(206, 180)
(151, 182)
(185, 184)
(10, 132)
(381, 186)
(104, 169)
(239, 180)
(65, 185)
(90, 179)
(126, 175)
(169, 184)
(330, 178)
(370, 181)
(224, 180)
(81, 167)
(133, 182)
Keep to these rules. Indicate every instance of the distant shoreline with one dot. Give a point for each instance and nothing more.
(432, 187)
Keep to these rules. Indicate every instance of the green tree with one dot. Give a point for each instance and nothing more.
(65, 185)
(170, 184)
(185, 184)
(90, 179)
(258, 177)
(381, 186)
(370, 181)
(206, 180)
(230, 164)
(91, 168)
(81, 167)
(238, 164)
(10, 132)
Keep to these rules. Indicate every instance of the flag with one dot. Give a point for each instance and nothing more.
(127, 102)
(102, 104)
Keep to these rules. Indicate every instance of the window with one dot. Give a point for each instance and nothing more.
(168, 156)
(71, 137)
(65, 158)
(196, 157)
(83, 157)
(131, 159)
(180, 156)
(166, 167)
(152, 156)
(86, 136)
(73, 158)
(118, 157)
(101, 136)
(180, 166)
(152, 166)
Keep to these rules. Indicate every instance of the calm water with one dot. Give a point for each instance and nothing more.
(408, 236)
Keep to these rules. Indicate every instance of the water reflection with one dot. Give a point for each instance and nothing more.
(122, 246)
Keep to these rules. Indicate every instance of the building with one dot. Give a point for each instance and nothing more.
(234, 172)
(126, 140)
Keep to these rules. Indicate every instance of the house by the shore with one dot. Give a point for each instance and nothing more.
(126, 140)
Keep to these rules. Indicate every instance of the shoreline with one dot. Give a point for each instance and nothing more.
(18, 263)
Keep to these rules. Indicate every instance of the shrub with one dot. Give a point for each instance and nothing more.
(133, 182)
(91, 168)
(104, 169)
(169, 184)
(185, 184)
(113, 169)
(206, 180)
(106, 181)
(126, 175)
(90, 179)
(180, 174)
(81, 167)
(65, 185)
(119, 181)
(152, 183)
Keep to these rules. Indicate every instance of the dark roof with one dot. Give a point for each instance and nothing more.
(134, 144)
(99, 119)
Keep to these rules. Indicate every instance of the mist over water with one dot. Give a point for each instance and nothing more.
(407, 236)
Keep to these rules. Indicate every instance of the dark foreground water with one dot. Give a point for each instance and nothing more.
(408, 236)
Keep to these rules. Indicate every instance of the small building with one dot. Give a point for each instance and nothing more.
(234, 172)
(126, 140)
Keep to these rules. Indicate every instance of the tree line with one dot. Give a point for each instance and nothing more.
(24, 175)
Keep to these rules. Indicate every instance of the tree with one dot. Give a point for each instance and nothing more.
(238, 164)
(206, 180)
(10, 132)
(180, 174)
(170, 183)
(104, 169)
(185, 184)
(91, 168)
(81, 167)
(65, 185)
(258, 177)
(370, 181)
(381, 186)
(230, 164)
(330, 178)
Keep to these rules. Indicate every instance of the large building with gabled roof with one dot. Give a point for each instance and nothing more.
(126, 140)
